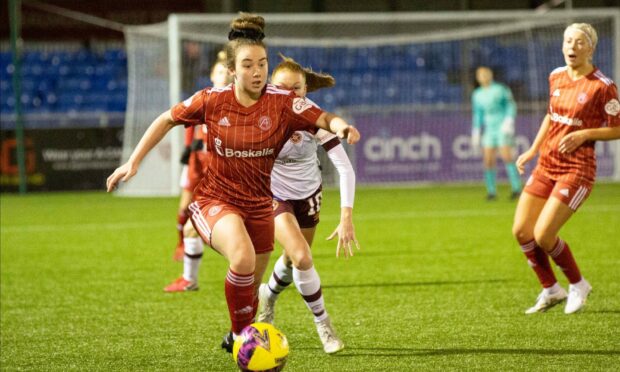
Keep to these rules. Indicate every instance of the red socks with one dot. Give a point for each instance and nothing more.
(240, 297)
(539, 262)
(563, 258)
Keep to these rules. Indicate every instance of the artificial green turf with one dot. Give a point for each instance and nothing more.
(439, 284)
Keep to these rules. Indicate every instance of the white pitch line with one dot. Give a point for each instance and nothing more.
(358, 217)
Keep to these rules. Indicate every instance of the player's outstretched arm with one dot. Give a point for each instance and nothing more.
(339, 127)
(155, 132)
(345, 229)
(346, 233)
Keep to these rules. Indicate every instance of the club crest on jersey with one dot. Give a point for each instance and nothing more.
(556, 93)
(218, 146)
(612, 107)
(582, 98)
(296, 138)
(264, 123)
(214, 210)
(300, 105)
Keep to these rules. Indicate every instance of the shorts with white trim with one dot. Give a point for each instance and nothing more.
(306, 211)
(259, 223)
(568, 193)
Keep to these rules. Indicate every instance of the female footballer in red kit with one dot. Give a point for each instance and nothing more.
(248, 123)
(583, 108)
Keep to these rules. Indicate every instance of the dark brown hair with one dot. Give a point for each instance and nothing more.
(247, 29)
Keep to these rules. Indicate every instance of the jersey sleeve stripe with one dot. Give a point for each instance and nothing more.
(603, 78)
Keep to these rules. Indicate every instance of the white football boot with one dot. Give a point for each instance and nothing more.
(266, 306)
(546, 300)
(577, 296)
(331, 342)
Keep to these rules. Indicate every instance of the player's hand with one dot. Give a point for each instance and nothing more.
(346, 239)
(122, 173)
(523, 159)
(350, 133)
(475, 139)
(185, 156)
(508, 126)
(571, 142)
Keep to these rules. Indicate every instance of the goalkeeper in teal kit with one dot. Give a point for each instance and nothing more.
(494, 112)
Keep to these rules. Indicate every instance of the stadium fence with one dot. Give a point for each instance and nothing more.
(404, 79)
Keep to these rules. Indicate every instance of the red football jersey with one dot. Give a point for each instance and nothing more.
(243, 141)
(589, 102)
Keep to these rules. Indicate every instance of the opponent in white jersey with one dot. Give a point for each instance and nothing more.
(296, 187)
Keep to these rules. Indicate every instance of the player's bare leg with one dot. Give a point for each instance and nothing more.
(182, 218)
(230, 238)
(193, 249)
(553, 216)
(287, 230)
(306, 279)
(527, 213)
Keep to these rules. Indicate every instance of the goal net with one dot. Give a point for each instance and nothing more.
(404, 79)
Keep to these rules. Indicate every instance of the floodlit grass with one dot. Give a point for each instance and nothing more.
(439, 284)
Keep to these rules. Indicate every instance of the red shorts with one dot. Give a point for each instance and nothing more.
(306, 211)
(259, 223)
(568, 193)
(195, 169)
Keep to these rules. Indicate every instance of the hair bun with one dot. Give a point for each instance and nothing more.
(246, 33)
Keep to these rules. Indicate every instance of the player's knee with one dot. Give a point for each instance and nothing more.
(242, 259)
(544, 239)
(521, 233)
(304, 262)
(300, 256)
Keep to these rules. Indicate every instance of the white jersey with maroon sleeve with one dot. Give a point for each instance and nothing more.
(296, 174)
(243, 141)
(589, 102)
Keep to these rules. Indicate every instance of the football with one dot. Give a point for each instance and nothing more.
(260, 347)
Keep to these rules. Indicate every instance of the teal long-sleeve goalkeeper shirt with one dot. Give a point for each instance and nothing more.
(491, 105)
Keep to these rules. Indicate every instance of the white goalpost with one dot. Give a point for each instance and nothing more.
(404, 79)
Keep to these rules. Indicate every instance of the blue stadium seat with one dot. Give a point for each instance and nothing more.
(74, 83)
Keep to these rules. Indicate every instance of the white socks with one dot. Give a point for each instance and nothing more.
(192, 258)
(308, 284)
(281, 278)
(553, 289)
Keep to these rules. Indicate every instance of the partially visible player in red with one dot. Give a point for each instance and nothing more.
(247, 122)
(194, 156)
(583, 108)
